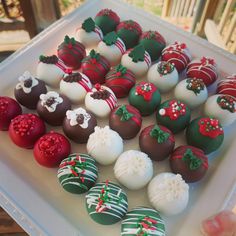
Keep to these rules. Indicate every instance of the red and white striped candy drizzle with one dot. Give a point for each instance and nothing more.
(111, 101)
(63, 67)
(121, 46)
(99, 32)
(147, 58)
(84, 82)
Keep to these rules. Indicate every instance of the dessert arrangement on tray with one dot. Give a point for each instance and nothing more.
(108, 59)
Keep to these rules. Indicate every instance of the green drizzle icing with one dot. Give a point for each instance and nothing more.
(194, 162)
(138, 53)
(88, 25)
(110, 38)
(123, 113)
(160, 135)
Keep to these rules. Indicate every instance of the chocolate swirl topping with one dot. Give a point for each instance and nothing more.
(49, 59)
(80, 119)
(74, 77)
(101, 94)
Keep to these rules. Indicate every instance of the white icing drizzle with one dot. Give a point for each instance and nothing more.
(72, 115)
(26, 76)
(51, 95)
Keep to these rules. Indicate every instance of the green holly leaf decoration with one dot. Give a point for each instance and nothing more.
(94, 54)
(121, 69)
(160, 135)
(41, 57)
(110, 38)
(123, 113)
(69, 41)
(138, 53)
(194, 161)
(88, 25)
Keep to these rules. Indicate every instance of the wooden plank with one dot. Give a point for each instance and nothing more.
(191, 7)
(186, 7)
(177, 7)
(165, 8)
(219, 10)
(181, 9)
(230, 29)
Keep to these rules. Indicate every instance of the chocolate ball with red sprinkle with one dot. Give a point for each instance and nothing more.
(107, 20)
(190, 162)
(26, 129)
(9, 109)
(95, 66)
(51, 149)
(71, 52)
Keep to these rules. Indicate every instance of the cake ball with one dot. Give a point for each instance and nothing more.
(51, 70)
(100, 101)
(221, 107)
(126, 120)
(107, 20)
(168, 193)
(88, 33)
(190, 162)
(95, 66)
(177, 54)
(133, 169)
(71, 52)
(51, 149)
(52, 107)
(192, 92)
(26, 129)
(120, 80)
(9, 109)
(28, 90)
(106, 203)
(129, 31)
(153, 43)
(163, 75)
(205, 133)
(204, 68)
(77, 173)
(75, 86)
(227, 86)
(112, 48)
(79, 124)
(105, 145)
(142, 221)
(145, 97)
(157, 142)
(173, 114)
(137, 60)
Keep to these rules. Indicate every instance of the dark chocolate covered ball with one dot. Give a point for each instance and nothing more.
(190, 162)
(157, 142)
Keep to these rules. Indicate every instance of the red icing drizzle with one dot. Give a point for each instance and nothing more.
(146, 90)
(210, 127)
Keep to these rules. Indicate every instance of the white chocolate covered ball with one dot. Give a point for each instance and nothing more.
(192, 92)
(133, 169)
(164, 75)
(104, 145)
(168, 193)
(75, 86)
(221, 107)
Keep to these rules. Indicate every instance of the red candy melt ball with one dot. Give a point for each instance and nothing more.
(9, 109)
(51, 149)
(26, 129)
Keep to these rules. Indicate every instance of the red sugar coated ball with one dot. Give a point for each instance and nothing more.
(9, 109)
(26, 129)
(51, 149)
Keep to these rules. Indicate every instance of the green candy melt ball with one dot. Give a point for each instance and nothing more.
(145, 97)
(173, 114)
(205, 133)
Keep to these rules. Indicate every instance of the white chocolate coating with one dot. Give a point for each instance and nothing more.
(139, 68)
(76, 91)
(104, 145)
(187, 96)
(49, 73)
(168, 193)
(212, 108)
(163, 82)
(133, 169)
(112, 53)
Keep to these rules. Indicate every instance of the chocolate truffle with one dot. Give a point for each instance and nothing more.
(26, 129)
(205, 133)
(77, 173)
(79, 124)
(145, 97)
(126, 120)
(227, 86)
(157, 142)
(28, 90)
(173, 114)
(75, 86)
(142, 221)
(190, 162)
(133, 169)
(106, 203)
(51, 149)
(9, 109)
(52, 107)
